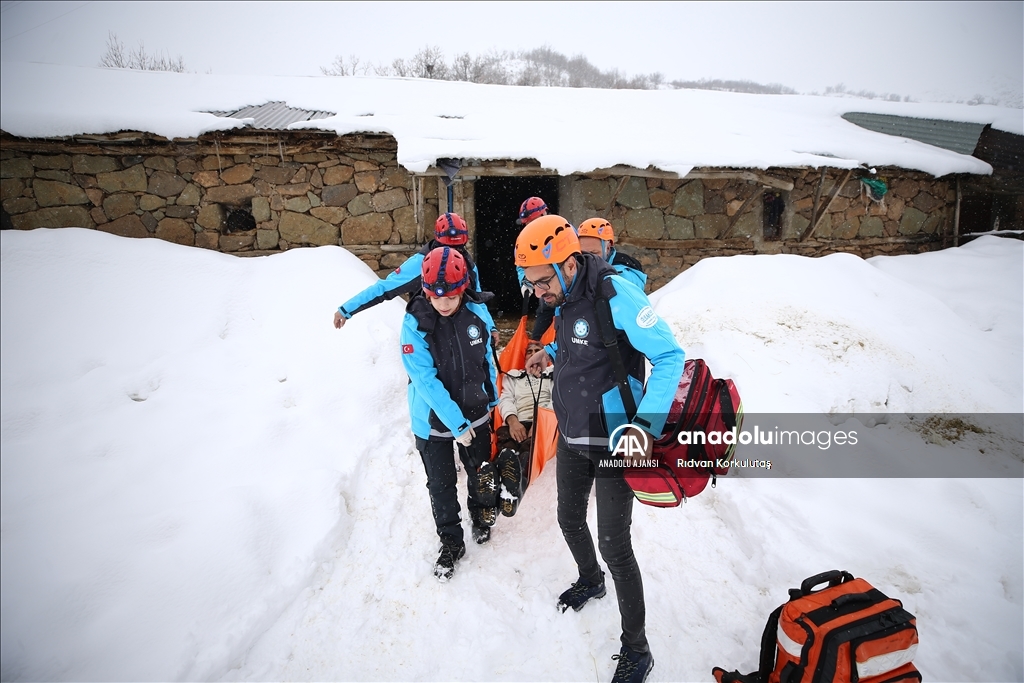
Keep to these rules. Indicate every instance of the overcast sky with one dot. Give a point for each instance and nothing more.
(928, 50)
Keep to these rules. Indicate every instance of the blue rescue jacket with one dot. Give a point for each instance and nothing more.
(584, 385)
(628, 267)
(405, 279)
(452, 377)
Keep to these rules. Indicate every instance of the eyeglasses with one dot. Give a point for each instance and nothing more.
(543, 284)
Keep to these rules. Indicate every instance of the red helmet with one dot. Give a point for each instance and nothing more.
(450, 229)
(444, 272)
(532, 208)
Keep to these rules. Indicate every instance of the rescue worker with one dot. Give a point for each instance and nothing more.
(530, 210)
(598, 237)
(584, 394)
(449, 230)
(447, 354)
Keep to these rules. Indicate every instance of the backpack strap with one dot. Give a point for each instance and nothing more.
(766, 662)
(611, 345)
(723, 676)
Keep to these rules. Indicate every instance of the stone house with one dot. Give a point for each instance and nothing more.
(266, 188)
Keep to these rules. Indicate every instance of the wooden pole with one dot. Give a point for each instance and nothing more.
(418, 191)
(618, 191)
(956, 216)
(743, 208)
(835, 193)
(817, 197)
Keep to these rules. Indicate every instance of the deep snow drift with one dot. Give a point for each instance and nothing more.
(203, 479)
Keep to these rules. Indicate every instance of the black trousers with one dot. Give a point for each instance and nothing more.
(442, 480)
(575, 472)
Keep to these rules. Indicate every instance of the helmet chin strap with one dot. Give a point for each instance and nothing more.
(561, 281)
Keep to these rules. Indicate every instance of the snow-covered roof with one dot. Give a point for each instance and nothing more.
(568, 130)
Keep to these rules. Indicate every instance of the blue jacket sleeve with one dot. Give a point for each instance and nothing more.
(426, 392)
(650, 335)
(635, 276)
(404, 279)
(552, 348)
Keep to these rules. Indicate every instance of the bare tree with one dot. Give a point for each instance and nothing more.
(116, 57)
(542, 66)
(341, 67)
(119, 57)
(429, 63)
(462, 68)
(399, 68)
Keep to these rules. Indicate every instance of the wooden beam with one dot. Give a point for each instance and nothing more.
(835, 193)
(817, 197)
(683, 245)
(492, 171)
(956, 216)
(510, 168)
(417, 184)
(750, 176)
(618, 191)
(743, 208)
(381, 248)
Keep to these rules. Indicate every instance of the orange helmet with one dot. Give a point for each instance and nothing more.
(548, 240)
(532, 209)
(450, 229)
(597, 227)
(444, 273)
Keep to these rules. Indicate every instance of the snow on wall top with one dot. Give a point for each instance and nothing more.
(567, 130)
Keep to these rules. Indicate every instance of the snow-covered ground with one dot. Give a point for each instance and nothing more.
(203, 479)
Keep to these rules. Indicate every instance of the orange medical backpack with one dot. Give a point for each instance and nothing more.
(844, 633)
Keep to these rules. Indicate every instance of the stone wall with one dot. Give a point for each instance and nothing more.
(254, 193)
(670, 224)
(239, 196)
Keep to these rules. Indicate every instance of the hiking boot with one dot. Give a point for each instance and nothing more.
(483, 517)
(481, 534)
(487, 484)
(449, 555)
(580, 592)
(633, 666)
(510, 469)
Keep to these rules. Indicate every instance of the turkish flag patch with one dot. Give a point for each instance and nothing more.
(406, 348)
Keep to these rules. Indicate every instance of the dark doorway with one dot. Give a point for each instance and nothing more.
(497, 207)
(984, 212)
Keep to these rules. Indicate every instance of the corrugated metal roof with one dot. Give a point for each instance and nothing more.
(273, 115)
(955, 136)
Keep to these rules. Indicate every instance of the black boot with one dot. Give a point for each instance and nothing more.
(450, 554)
(483, 519)
(581, 592)
(481, 534)
(633, 666)
(510, 469)
(487, 485)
